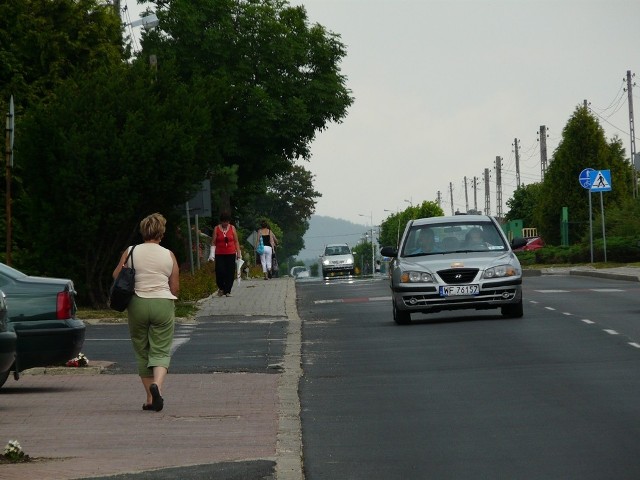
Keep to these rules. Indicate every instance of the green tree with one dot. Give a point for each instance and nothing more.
(42, 43)
(393, 226)
(110, 148)
(273, 80)
(583, 145)
(523, 204)
(362, 254)
(290, 200)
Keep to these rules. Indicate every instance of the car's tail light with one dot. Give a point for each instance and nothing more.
(64, 305)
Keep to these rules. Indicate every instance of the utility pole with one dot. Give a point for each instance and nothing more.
(487, 193)
(475, 194)
(499, 187)
(633, 134)
(543, 151)
(466, 195)
(517, 151)
(439, 199)
(451, 196)
(9, 134)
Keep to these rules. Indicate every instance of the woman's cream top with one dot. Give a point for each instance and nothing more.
(153, 265)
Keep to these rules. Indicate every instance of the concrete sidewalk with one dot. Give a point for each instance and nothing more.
(90, 425)
(631, 274)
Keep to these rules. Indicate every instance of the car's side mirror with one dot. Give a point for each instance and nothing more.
(389, 252)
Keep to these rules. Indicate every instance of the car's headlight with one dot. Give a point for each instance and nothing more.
(349, 261)
(500, 271)
(325, 262)
(416, 277)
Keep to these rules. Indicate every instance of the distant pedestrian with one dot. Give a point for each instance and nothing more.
(151, 311)
(227, 251)
(270, 242)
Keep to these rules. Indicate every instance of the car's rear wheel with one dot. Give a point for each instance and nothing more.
(513, 311)
(401, 317)
(3, 377)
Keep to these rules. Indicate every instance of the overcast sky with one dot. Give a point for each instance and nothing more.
(443, 87)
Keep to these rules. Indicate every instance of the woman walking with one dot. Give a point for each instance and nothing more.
(270, 241)
(227, 251)
(151, 311)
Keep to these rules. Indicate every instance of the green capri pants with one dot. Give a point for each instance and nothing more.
(151, 322)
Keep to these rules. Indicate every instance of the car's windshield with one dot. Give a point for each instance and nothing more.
(337, 250)
(454, 237)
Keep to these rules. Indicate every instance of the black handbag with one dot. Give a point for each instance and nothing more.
(123, 286)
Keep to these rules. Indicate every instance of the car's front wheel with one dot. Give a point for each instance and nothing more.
(513, 311)
(401, 317)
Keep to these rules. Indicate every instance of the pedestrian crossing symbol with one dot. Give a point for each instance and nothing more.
(600, 180)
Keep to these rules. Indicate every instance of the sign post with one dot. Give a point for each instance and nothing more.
(10, 134)
(585, 181)
(601, 182)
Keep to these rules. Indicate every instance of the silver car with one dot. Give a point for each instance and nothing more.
(337, 259)
(451, 263)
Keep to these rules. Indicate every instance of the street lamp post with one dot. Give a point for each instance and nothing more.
(373, 252)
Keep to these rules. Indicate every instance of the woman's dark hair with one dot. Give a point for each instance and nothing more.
(225, 217)
(264, 224)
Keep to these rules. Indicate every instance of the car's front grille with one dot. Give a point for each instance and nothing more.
(458, 275)
(434, 300)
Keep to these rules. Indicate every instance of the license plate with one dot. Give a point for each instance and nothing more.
(453, 290)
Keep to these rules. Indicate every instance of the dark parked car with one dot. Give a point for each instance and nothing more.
(42, 313)
(8, 341)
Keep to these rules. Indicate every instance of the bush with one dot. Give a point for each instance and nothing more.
(198, 285)
(619, 249)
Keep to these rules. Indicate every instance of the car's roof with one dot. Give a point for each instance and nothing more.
(336, 245)
(452, 219)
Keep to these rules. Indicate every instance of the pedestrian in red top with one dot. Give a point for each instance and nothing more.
(227, 248)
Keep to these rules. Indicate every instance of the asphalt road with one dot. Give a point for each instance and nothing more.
(233, 344)
(470, 395)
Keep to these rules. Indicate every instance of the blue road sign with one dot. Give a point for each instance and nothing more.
(600, 180)
(584, 178)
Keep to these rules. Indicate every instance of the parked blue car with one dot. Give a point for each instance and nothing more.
(41, 312)
(8, 341)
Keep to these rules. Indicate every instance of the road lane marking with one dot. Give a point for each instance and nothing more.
(605, 290)
(353, 300)
(611, 332)
(588, 321)
(550, 308)
(634, 344)
(552, 291)
(567, 313)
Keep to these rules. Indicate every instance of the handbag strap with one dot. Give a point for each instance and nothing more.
(130, 256)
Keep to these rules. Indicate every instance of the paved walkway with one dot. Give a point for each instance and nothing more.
(617, 273)
(79, 426)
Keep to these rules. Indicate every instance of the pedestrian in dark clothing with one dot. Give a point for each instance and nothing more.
(227, 251)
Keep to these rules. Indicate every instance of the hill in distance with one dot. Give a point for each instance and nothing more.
(324, 230)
